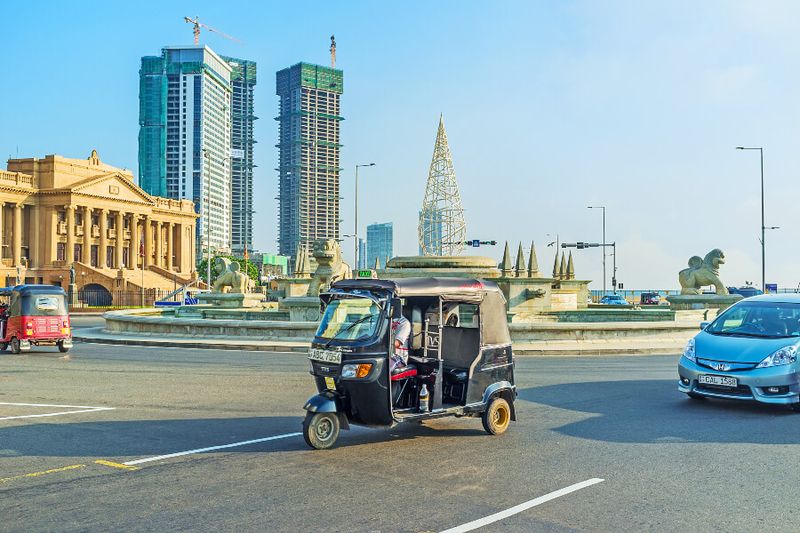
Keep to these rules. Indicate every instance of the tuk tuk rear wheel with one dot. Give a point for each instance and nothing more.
(320, 430)
(3, 346)
(61, 347)
(15, 348)
(497, 416)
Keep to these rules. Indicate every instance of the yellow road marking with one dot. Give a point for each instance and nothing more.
(112, 464)
(42, 473)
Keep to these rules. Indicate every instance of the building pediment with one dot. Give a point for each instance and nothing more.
(114, 186)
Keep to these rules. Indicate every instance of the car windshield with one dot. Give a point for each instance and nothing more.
(349, 319)
(758, 319)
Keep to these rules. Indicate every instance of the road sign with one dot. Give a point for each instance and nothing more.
(771, 287)
(476, 243)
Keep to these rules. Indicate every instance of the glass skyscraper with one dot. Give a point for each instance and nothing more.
(309, 167)
(380, 243)
(185, 135)
(243, 82)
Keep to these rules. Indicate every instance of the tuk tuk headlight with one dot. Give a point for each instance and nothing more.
(785, 356)
(360, 370)
(688, 352)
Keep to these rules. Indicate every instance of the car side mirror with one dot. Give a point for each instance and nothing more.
(704, 325)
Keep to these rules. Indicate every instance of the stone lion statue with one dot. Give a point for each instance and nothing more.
(230, 278)
(702, 272)
(330, 267)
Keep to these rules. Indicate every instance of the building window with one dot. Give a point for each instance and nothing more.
(110, 256)
(94, 255)
(125, 261)
(61, 251)
(79, 252)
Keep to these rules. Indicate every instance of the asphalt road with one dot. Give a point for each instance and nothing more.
(667, 462)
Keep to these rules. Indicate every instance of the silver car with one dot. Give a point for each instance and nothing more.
(749, 352)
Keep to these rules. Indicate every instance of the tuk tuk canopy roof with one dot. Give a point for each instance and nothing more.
(461, 289)
(33, 289)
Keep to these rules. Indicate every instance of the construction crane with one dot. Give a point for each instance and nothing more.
(196, 30)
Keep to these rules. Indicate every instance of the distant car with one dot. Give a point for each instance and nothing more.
(746, 291)
(613, 299)
(650, 298)
(749, 352)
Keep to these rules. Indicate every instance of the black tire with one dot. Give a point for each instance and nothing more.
(695, 396)
(15, 349)
(61, 347)
(3, 346)
(795, 407)
(497, 416)
(320, 430)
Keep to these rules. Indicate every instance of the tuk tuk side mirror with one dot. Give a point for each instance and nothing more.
(397, 308)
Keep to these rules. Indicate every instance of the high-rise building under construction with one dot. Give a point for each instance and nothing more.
(185, 136)
(243, 82)
(309, 168)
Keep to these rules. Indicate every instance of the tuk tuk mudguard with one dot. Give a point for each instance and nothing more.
(505, 390)
(327, 402)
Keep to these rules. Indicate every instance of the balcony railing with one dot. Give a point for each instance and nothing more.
(17, 178)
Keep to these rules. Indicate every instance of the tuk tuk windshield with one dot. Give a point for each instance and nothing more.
(349, 319)
(43, 305)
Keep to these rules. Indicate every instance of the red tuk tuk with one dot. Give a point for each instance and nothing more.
(34, 315)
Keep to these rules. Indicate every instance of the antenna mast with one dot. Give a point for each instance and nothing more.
(333, 51)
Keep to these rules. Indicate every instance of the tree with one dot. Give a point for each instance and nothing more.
(252, 269)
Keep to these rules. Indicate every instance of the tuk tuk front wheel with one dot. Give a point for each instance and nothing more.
(497, 416)
(61, 347)
(15, 349)
(320, 430)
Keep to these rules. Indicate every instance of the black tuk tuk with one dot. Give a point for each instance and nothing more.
(460, 360)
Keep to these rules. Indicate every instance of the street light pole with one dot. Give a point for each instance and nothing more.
(763, 226)
(355, 229)
(207, 157)
(604, 242)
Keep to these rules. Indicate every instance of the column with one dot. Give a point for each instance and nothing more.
(87, 236)
(133, 247)
(34, 237)
(101, 252)
(170, 245)
(120, 224)
(148, 241)
(159, 260)
(2, 228)
(17, 235)
(70, 255)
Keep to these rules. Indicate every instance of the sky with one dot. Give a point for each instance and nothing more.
(549, 107)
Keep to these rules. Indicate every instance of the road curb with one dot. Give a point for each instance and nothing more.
(98, 337)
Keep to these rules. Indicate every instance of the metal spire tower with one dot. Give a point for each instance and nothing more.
(442, 229)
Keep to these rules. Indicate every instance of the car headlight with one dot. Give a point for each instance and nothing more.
(785, 356)
(688, 352)
(359, 370)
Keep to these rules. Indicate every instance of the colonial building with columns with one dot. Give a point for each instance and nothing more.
(81, 218)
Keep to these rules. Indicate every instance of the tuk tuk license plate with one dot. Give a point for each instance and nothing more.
(720, 381)
(325, 356)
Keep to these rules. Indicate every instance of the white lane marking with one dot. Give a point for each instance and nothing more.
(81, 409)
(209, 449)
(475, 524)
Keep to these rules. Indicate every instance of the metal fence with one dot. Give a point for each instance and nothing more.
(103, 299)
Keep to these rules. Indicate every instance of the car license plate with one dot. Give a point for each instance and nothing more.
(330, 384)
(722, 381)
(325, 356)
